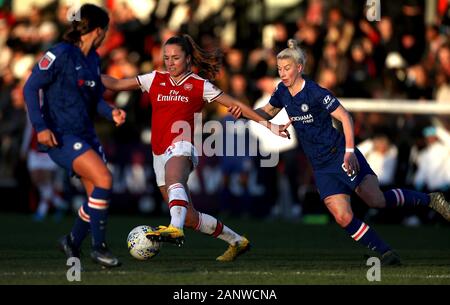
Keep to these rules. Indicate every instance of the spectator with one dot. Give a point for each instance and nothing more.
(417, 83)
(443, 74)
(381, 155)
(361, 71)
(433, 163)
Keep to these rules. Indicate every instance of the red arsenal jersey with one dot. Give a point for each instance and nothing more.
(174, 104)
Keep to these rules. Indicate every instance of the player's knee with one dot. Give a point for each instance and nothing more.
(104, 180)
(343, 219)
(377, 202)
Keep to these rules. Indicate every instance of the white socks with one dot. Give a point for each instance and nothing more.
(211, 226)
(178, 216)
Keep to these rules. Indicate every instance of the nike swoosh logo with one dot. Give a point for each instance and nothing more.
(353, 178)
(78, 68)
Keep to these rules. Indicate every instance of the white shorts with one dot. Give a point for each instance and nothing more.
(37, 160)
(182, 148)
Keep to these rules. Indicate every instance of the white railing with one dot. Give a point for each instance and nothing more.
(395, 106)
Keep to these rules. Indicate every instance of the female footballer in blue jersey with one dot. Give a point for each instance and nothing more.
(63, 94)
(339, 167)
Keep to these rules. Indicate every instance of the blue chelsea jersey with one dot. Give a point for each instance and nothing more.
(309, 111)
(64, 91)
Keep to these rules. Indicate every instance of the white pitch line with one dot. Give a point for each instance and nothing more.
(258, 273)
(334, 274)
(36, 273)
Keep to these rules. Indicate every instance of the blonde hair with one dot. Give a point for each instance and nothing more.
(294, 52)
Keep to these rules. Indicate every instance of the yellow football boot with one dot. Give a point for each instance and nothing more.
(169, 234)
(235, 250)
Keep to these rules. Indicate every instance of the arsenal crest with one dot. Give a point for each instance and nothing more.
(188, 86)
(47, 60)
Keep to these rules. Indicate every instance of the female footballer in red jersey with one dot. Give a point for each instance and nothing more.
(176, 95)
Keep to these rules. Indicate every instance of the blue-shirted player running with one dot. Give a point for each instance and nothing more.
(63, 94)
(338, 166)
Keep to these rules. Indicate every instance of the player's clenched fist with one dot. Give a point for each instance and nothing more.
(46, 137)
(119, 116)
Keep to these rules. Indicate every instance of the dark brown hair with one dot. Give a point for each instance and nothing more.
(208, 62)
(90, 18)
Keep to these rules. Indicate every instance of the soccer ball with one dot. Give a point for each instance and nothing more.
(139, 246)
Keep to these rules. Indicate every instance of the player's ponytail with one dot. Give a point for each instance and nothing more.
(73, 35)
(293, 51)
(209, 63)
(90, 18)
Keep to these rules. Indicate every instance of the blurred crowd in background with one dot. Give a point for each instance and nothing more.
(403, 55)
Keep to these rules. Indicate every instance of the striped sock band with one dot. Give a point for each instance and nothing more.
(365, 235)
(81, 226)
(209, 225)
(405, 198)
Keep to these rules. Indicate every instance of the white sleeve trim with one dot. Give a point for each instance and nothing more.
(211, 92)
(145, 81)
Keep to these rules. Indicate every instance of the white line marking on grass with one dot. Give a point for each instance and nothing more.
(257, 273)
(31, 273)
(45, 273)
(335, 274)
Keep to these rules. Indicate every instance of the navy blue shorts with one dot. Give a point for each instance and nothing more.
(333, 180)
(70, 147)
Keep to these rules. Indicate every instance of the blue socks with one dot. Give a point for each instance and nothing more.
(98, 213)
(81, 227)
(405, 198)
(365, 235)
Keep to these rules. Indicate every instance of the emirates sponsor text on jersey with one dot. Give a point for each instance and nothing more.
(172, 97)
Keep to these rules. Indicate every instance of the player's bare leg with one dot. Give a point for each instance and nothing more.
(339, 206)
(42, 179)
(70, 244)
(177, 170)
(369, 191)
(91, 167)
(211, 226)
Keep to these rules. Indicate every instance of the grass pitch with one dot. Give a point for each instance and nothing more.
(282, 253)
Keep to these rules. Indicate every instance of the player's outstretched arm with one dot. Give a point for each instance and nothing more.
(114, 114)
(268, 112)
(115, 84)
(251, 114)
